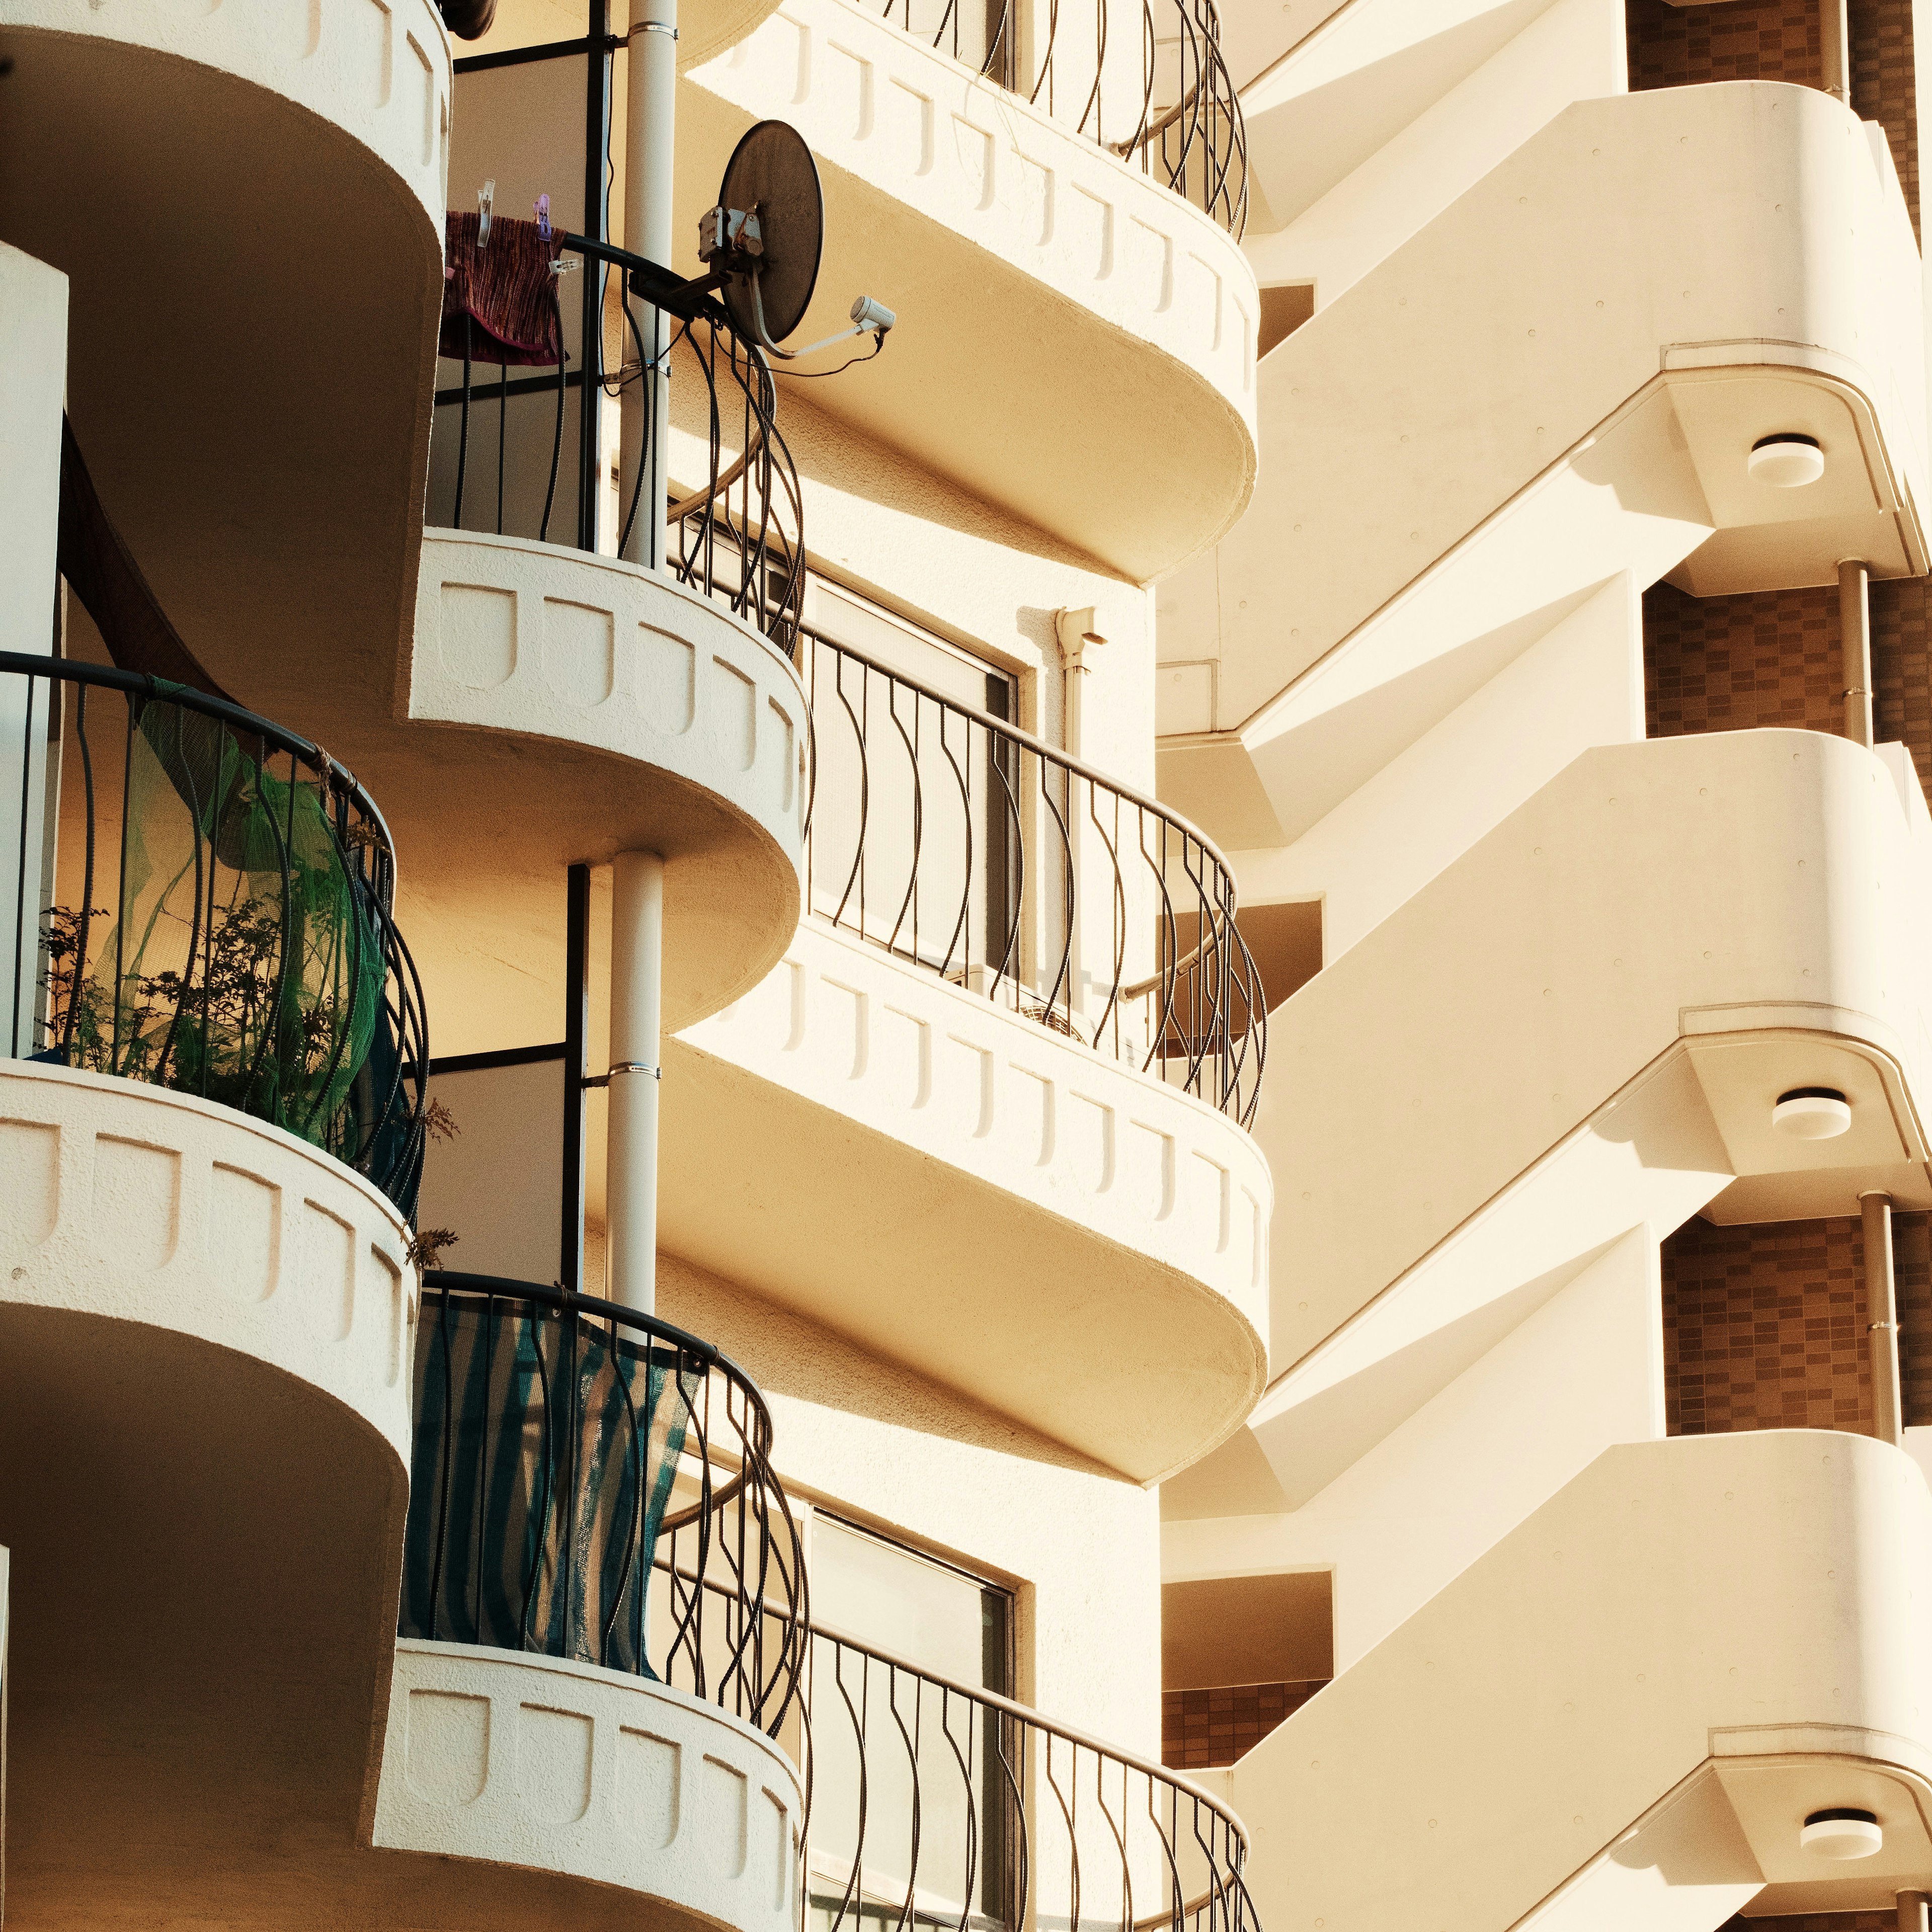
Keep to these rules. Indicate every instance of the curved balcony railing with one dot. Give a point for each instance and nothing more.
(931, 1803)
(733, 515)
(1148, 83)
(972, 850)
(202, 901)
(590, 1482)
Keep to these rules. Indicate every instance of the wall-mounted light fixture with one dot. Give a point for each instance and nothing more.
(1787, 461)
(1842, 1832)
(1812, 1114)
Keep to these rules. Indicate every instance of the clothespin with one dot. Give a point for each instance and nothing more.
(543, 216)
(486, 196)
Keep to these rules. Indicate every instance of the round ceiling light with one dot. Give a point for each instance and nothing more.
(1842, 1832)
(1812, 1114)
(1787, 461)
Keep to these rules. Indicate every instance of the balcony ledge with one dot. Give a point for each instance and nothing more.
(550, 1764)
(603, 707)
(1120, 320)
(997, 1206)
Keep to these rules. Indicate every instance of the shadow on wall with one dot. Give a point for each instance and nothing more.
(1239, 1654)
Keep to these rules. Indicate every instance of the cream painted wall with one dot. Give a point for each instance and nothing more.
(933, 552)
(915, 1461)
(1580, 1372)
(1579, 684)
(1553, 54)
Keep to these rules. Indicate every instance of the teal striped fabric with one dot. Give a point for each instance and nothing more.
(544, 1457)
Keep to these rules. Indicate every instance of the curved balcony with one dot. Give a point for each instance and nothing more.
(205, 1323)
(937, 1802)
(1573, 415)
(295, 403)
(603, 705)
(1030, 265)
(201, 901)
(1010, 1051)
(1623, 1713)
(602, 1621)
(1625, 976)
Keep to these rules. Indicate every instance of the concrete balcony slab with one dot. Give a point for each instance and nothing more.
(967, 1192)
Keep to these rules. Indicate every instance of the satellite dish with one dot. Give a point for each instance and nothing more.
(772, 174)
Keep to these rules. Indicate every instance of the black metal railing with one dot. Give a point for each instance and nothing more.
(203, 901)
(733, 515)
(931, 1803)
(966, 846)
(590, 1482)
(1148, 82)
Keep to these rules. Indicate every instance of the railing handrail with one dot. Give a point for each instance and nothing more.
(1026, 741)
(1025, 1714)
(570, 1301)
(140, 684)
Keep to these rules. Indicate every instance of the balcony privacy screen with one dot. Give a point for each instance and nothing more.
(544, 1457)
(241, 963)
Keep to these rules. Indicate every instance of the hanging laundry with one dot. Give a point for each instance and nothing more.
(503, 295)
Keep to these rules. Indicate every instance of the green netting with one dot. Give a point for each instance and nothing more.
(241, 962)
(543, 1459)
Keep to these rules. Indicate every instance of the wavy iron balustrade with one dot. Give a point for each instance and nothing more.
(593, 1483)
(735, 525)
(931, 1803)
(966, 847)
(1174, 113)
(202, 901)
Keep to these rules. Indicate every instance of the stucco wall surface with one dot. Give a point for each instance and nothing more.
(1750, 1604)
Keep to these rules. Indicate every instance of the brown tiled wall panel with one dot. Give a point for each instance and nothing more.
(1731, 664)
(1778, 40)
(1201, 1729)
(1765, 1327)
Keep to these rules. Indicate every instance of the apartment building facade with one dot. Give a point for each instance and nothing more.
(626, 1124)
(1559, 1578)
(840, 1207)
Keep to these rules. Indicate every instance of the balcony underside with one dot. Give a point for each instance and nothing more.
(1626, 975)
(1075, 342)
(965, 1191)
(1622, 1714)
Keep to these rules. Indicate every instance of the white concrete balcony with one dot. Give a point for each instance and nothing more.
(1075, 343)
(987, 1117)
(599, 707)
(540, 1764)
(1617, 985)
(1592, 338)
(1623, 1713)
(206, 1332)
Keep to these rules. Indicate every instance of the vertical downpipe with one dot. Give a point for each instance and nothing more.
(596, 225)
(1834, 33)
(576, 1016)
(636, 990)
(1912, 1912)
(1855, 646)
(651, 156)
(1882, 1312)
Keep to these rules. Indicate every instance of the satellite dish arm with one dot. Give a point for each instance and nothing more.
(868, 317)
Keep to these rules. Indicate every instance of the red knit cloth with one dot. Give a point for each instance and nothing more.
(506, 290)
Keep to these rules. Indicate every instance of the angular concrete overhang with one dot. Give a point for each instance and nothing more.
(1591, 341)
(248, 201)
(1622, 1714)
(1579, 1027)
(1075, 342)
(205, 1329)
(964, 1191)
(542, 1763)
(596, 706)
